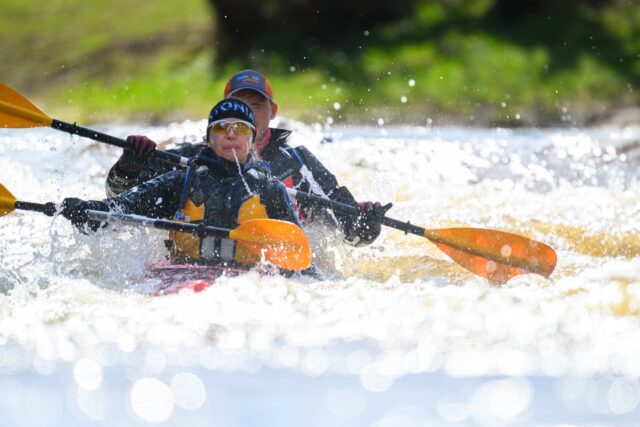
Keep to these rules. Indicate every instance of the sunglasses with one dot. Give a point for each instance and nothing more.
(239, 128)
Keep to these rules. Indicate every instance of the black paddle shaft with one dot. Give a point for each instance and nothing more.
(352, 210)
(162, 224)
(74, 129)
(48, 209)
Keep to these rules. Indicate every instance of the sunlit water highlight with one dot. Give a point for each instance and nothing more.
(398, 335)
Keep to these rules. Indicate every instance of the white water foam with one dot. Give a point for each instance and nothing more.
(396, 320)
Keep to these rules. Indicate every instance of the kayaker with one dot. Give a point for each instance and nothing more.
(224, 174)
(295, 167)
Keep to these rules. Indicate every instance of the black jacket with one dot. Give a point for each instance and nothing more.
(212, 180)
(286, 164)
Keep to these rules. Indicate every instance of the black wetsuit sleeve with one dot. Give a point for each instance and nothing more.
(119, 180)
(321, 175)
(157, 198)
(355, 234)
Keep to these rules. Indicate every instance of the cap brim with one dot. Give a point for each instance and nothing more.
(230, 94)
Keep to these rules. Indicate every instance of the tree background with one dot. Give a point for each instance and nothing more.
(476, 62)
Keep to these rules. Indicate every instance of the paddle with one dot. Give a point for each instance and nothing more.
(282, 243)
(495, 255)
(17, 112)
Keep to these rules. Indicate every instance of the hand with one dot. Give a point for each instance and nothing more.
(75, 210)
(134, 158)
(141, 146)
(369, 220)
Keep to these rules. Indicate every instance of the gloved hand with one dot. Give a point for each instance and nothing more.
(133, 159)
(274, 197)
(369, 220)
(75, 210)
(141, 145)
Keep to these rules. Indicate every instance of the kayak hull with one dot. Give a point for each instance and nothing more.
(174, 278)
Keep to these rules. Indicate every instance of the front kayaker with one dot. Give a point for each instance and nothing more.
(296, 167)
(224, 175)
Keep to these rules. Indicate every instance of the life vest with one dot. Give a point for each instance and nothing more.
(187, 247)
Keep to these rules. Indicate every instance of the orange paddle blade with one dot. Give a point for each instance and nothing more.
(16, 111)
(252, 209)
(495, 255)
(7, 201)
(280, 242)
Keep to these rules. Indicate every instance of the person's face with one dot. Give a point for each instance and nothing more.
(225, 144)
(263, 110)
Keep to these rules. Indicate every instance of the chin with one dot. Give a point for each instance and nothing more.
(231, 158)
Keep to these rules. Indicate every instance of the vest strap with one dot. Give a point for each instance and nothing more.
(184, 194)
(217, 249)
(286, 148)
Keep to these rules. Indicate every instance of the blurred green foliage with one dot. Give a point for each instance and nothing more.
(103, 60)
(474, 61)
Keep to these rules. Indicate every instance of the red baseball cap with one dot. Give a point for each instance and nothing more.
(249, 79)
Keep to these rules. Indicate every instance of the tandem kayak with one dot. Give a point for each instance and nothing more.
(176, 277)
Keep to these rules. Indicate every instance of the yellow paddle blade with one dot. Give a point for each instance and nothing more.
(17, 112)
(495, 255)
(245, 256)
(7, 201)
(252, 209)
(280, 242)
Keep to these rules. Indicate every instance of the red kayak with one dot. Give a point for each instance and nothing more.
(176, 277)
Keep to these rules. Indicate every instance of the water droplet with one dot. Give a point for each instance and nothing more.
(151, 400)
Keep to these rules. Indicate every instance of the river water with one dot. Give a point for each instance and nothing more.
(398, 335)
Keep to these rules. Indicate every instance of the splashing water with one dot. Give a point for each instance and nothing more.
(246, 186)
(316, 189)
(400, 336)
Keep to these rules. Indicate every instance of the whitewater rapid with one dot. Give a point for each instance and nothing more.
(398, 334)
